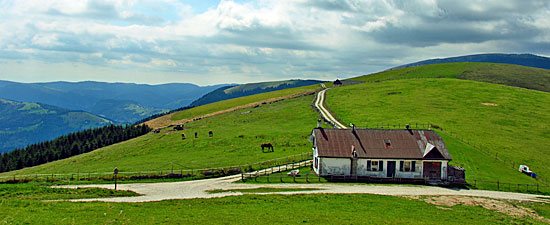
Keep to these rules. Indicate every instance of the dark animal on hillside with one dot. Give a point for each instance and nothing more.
(156, 131)
(241, 136)
(269, 147)
(196, 135)
(178, 127)
(210, 133)
(182, 136)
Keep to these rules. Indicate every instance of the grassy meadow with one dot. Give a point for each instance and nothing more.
(286, 124)
(507, 74)
(506, 121)
(258, 209)
(235, 102)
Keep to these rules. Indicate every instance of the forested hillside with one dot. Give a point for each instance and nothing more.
(119, 102)
(24, 123)
(69, 145)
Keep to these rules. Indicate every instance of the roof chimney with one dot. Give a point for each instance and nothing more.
(353, 151)
(352, 127)
(319, 123)
(408, 127)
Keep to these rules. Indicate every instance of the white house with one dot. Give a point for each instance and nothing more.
(380, 153)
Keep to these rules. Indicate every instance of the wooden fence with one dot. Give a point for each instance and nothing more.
(167, 170)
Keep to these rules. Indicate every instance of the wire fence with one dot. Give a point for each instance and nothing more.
(512, 187)
(483, 149)
(167, 170)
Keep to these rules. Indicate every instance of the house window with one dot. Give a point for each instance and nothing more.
(387, 143)
(407, 166)
(375, 165)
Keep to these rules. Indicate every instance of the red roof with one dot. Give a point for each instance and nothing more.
(380, 144)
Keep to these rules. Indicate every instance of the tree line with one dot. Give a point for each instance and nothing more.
(69, 145)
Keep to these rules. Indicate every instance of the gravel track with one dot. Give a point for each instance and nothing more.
(319, 104)
(198, 189)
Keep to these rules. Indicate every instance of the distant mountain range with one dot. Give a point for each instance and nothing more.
(235, 91)
(23, 123)
(119, 102)
(515, 59)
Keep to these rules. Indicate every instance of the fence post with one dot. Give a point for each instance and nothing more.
(281, 176)
(294, 177)
(537, 187)
(307, 180)
(498, 185)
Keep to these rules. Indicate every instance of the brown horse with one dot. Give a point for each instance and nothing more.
(210, 133)
(269, 147)
(182, 136)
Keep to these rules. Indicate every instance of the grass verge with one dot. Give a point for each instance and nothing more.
(262, 190)
(254, 209)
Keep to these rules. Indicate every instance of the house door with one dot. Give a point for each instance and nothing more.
(432, 170)
(391, 168)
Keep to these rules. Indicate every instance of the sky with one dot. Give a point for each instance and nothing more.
(209, 42)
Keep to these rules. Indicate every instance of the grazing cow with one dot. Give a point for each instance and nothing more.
(196, 135)
(156, 131)
(269, 147)
(210, 133)
(182, 136)
(178, 127)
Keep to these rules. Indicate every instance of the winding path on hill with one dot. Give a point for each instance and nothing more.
(198, 189)
(320, 105)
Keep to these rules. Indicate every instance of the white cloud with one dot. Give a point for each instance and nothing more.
(259, 40)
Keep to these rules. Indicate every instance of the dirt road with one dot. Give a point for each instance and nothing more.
(319, 104)
(198, 188)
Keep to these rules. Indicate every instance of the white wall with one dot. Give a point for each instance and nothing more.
(342, 166)
(315, 155)
(403, 174)
(335, 166)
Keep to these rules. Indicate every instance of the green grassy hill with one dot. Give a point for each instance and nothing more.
(505, 121)
(24, 123)
(230, 92)
(235, 102)
(508, 121)
(511, 75)
(286, 124)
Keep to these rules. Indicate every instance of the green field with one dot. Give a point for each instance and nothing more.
(230, 103)
(286, 124)
(258, 209)
(511, 75)
(508, 121)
